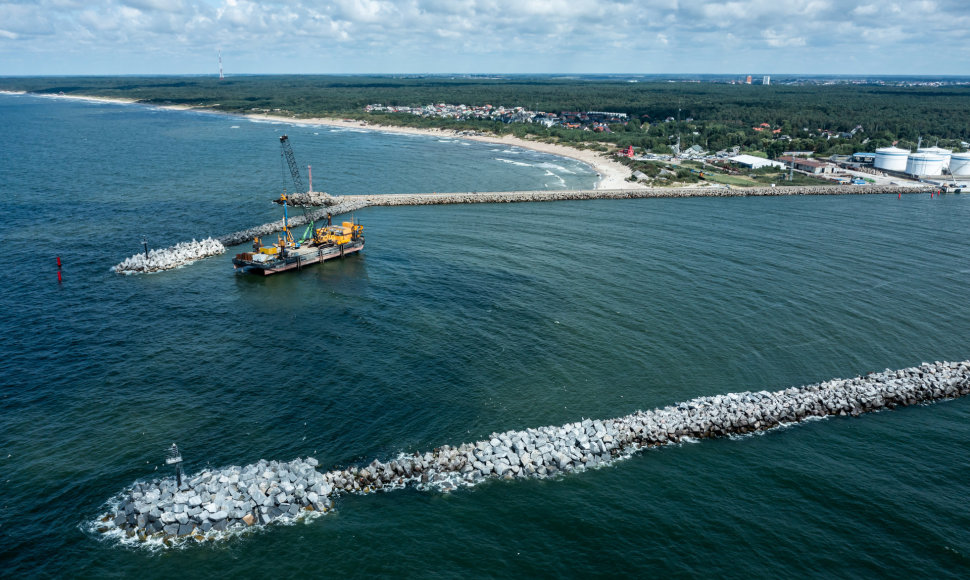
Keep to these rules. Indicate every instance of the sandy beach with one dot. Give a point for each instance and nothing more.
(612, 174)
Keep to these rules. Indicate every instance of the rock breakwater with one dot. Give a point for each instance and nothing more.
(341, 206)
(220, 500)
(180, 254)
(216, 502)
(657, 192)
(172, 257)
(187, 252)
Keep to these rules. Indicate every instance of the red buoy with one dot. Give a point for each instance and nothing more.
(58, 276)
(58, 262)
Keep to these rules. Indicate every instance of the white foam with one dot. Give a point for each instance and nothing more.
(560, 168)
(513, 162)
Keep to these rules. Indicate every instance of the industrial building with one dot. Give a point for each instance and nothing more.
(754, 162)
(808, 165)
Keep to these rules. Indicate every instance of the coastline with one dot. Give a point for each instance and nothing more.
(611, 174)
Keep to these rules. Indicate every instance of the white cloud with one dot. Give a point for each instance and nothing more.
(480, 35)
(778, 39)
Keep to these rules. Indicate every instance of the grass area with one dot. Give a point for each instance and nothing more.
(781, 180)
(736, 180)
(759, 177)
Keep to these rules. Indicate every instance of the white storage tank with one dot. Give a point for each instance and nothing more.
(944, 153)
(924, 164)
(891, 158)
(960, 164)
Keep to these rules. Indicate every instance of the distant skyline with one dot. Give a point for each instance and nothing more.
(853, 37)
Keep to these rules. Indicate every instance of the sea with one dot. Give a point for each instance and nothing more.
(456, 322)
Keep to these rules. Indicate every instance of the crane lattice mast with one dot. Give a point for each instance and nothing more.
(291, 161)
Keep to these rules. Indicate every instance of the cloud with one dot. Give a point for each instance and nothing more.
(778, 39)
(865, 10)
(482, 35)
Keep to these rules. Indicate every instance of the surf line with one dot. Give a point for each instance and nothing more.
(217, 503)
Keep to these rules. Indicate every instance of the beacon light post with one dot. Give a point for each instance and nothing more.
(175, 458)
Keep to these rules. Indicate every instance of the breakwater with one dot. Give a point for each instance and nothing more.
(340, 206)
(175, 256)
(656, 192)
(188, 252)
(168, 258)
(220, 501)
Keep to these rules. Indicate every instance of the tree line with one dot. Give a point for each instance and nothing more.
(713, 115)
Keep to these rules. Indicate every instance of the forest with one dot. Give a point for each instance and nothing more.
(713, 115)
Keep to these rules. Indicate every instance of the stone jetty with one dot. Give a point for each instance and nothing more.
(178, 255)
(217, 502)
(168, 258)
(655, 192)
(340, 206)
(188, 252)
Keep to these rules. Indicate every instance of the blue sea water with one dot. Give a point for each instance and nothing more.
(457, 321)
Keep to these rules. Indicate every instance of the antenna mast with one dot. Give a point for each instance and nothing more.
(220, 65)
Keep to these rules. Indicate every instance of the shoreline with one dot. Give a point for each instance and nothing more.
(610, 174)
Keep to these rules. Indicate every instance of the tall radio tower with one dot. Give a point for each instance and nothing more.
(220, 65)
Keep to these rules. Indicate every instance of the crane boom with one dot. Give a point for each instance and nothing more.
(291, 161)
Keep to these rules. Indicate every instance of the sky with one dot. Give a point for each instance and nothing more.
(854, 37)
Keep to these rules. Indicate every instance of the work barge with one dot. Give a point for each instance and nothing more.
(318, 245)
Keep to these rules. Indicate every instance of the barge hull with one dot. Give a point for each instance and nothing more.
(296, 261)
